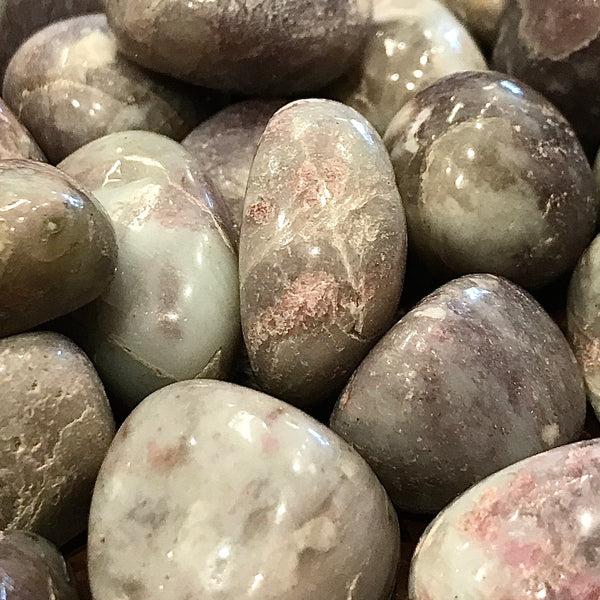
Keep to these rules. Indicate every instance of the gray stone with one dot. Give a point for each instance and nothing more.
(15, 140)
(482, 17)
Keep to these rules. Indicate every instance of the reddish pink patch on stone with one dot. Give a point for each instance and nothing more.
(269, 444)
(273, 415)
(164, 459)
(261, 211)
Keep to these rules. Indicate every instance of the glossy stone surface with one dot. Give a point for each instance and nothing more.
(57, 246)
(476, 365)
(322, 250)
(225, 146)
(410, 44)
(493, 180)
(55, 428)
(219, 492)
(530, 531)
(31, 568)
(15, 140)
(482, 17)
(69, 86)
(271, 47)
(172, 311)
(554, 46)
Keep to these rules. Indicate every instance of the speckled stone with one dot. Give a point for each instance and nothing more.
(482, 17)
(476, 377)
(15, 140)
(530, 531)
(31, 568)
(225, 146)
(57, 245)
(410, 44)
(172, 311)
(219, 492)
(267, 47)
(493, 180)
(55, 429)
(322, 250)
(69, 86)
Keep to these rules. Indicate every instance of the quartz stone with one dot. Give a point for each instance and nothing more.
(410, 44)
(493, 180)
(69, 86)
(272, 47)
(57, 245)
(476, 377)
(215, 491)
(225, 146)
(482, 17)
(15, 140)
(172, 311)
(530, 531)
(55, 428)
(322, 250)
(31, 568)
(554, 46)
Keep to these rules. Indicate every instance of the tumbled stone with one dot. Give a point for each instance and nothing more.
(69, 86)
(15, 140)
(482, 17)
(410, 44)
(493, 180)
(530, 531)
(215, 491)
(55, 428)
(225, 146)
(272, 47)
(172, 311)
(57, 246)
(322, 250)
(31, 568)
(474, 378)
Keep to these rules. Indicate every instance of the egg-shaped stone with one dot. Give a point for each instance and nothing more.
(172, 311)
(481, 17)
(493, 180)
(530, 531)
(57, 245)
(476, 377)
(215, 491)
(322, 250)
(15, 140)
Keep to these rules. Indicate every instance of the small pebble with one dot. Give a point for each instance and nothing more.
(15, 140)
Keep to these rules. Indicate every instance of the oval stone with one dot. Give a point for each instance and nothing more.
(215, 491)
(476, 377)
(322, 250)
(15, 140)
(172, 311)
(57, 245)
(530, 531)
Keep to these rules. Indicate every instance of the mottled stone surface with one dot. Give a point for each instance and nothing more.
(57, 246)
(493, 180)
(271, 47)
(69, 86)
(15, 140)
(410, 44)
(219, 492)
(55, 428)
(482, 17)
(225, 146)
(322, 250)
(474, 378)
(172, 311)
(31, 568)
(530, 531)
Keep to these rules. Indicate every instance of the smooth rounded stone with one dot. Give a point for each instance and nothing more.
(215, 491)
(322, 250)
(55, 428)
(172, 311)
(410, 44)
(57, 245)
(225, 146)
(271, 47)
(530, 531)
(482, 17)
(31, 568)
(15, 140)
(476, 377)
(493, 180)
(69, 86)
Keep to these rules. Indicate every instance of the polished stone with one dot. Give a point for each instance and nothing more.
(57, 245)
(474, 378)
(493, 180)
(55, 428)
(15, 140)
(172, 311)
(322, 250)
(482, 17)
(218, 492)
